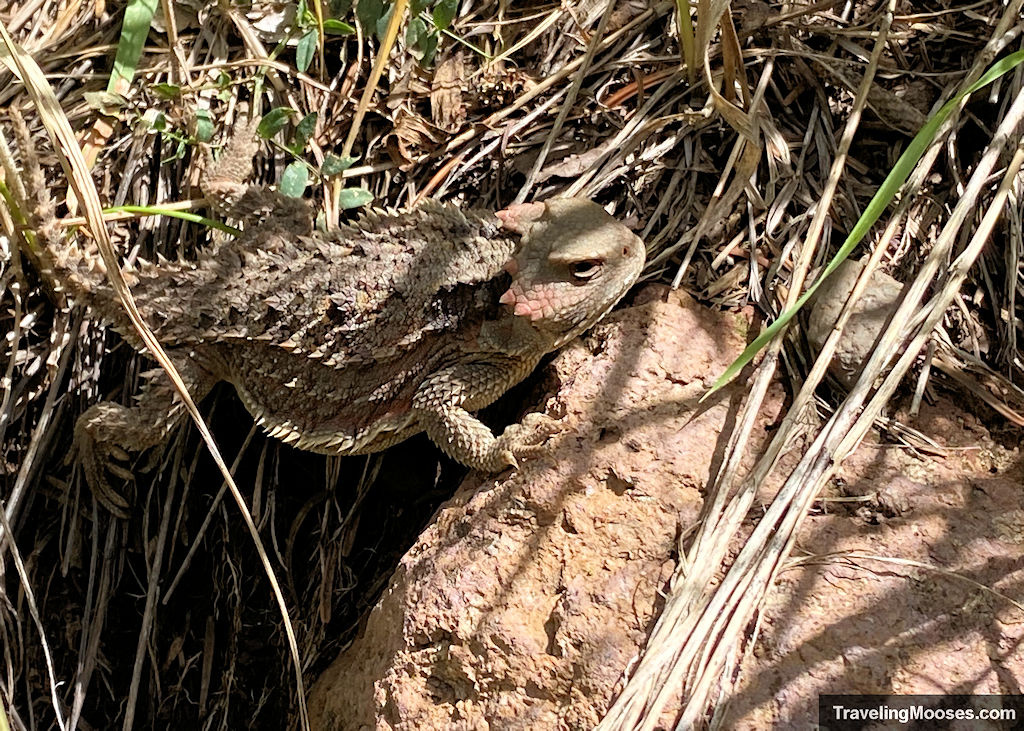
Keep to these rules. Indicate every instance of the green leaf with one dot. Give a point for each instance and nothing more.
(368, 12)
(444, 13)
(382, 24)
(334, 27)
(178, 154)
(334, 165)
(294, 180)
(138, 15)
(353, 198)
(417, 6)
(305, 50)
(415, 32)
(105, 102)
(224, 85)
(427, 48)
(158, 121)
(167, 91)
(303, 131)
(273, 121)
(886, 193)
(204, 125)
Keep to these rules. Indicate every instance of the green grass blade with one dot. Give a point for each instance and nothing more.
(882, 198)
(138, 16)
(183, 215)
(686, 39)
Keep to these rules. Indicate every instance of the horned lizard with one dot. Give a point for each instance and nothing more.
(350, 341)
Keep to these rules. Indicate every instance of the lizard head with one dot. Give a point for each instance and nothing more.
(574, 262)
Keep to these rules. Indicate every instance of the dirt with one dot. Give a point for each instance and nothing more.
(524, 602)
(859, 625)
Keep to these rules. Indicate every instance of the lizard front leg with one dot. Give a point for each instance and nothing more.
(440, 407)
(106, 432)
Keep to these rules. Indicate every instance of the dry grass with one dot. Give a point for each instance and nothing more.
(740, 174)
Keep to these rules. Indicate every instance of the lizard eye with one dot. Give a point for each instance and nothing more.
(586, 270)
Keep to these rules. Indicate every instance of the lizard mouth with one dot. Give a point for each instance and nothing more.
(543, 301)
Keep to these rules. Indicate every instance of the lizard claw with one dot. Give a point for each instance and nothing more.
(525, 439)
(96, 461)
(99, 457)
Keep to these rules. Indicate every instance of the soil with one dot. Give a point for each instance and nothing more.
(859, 625)
(526, 599)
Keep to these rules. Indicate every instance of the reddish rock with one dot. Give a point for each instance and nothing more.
(523, 603)
(526, 598)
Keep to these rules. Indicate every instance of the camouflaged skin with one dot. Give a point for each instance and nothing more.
(349, 341)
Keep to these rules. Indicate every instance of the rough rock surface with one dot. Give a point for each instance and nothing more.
(525, 600)
(870, 315)
(522, 604)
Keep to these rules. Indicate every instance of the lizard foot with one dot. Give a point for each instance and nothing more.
(524, 440)
(99, 452)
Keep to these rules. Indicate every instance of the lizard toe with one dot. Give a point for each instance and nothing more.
(526, 439)
(100, 457)
(95, 464)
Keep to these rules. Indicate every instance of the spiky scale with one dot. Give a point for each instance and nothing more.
(350, 341)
